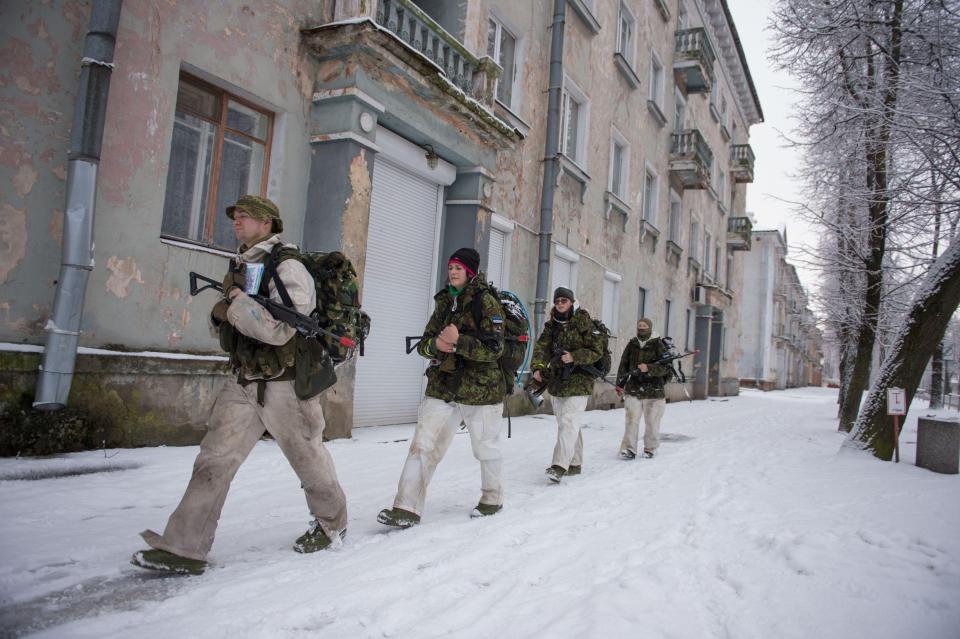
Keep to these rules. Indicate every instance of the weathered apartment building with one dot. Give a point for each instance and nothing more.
(395, 131)
(782, 345)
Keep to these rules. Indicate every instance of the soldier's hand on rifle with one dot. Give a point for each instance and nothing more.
(537, 376)
(450, 334)
(566, 358)
(233, 279)
(443, 345)
(643, 368)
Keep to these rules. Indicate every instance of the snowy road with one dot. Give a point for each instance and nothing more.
(748, 524)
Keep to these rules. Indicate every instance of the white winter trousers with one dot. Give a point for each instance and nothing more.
(568, 450)
(436, 426)
(652, 411)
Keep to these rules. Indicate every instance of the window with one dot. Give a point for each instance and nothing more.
(694, 240)
(564, 268)
(723, 110)
(717, 263)
(676, 212)
(502, 47)
(666, 318)
(688, 340)
(656, 80)
(626, 27)
(681, 17)
(706, 253)
(679, 111)
(498, 253)
(219, 151)
(642, 303)
(574, 122)
(729, 269)
(611, 301)
(650, 196)
(619, 165)
(722, 187)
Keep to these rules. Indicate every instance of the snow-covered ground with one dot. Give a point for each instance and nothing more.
(748, 524)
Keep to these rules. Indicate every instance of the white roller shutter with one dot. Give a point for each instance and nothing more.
(495, 258)
(397, 293)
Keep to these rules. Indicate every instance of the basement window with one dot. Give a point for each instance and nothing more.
(219, 151)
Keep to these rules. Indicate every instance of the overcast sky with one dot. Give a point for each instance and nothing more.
(775, 161)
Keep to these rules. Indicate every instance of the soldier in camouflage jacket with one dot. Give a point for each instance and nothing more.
(464, 383)
(643, 381)
(259, 398)
(568, 339)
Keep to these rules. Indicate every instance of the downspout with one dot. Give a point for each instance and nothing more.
(550, 162)
(86, 138)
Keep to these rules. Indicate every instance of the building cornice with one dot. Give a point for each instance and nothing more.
(729, 48)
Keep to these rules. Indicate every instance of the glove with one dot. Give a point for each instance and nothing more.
(234, 277)
(219, 312)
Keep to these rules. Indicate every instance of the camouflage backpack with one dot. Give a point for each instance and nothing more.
(516, 333)
(606, 360)
(338, 298)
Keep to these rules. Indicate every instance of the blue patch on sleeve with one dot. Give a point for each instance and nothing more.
(497, 319)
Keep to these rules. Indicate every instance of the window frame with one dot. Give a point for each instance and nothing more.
(225, 97)
(630, 55)
(573, 92)
(618, 139)
(667, 307)
(611, 322)
(501, 26)
(673, 232)
(641, 302)
(650, 202)
(656, 72)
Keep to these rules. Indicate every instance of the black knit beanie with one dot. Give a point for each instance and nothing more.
(562, 291)
(468, 258)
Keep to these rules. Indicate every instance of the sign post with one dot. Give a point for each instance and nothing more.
(896, 406)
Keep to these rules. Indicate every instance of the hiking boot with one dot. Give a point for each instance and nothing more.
(398, 518)
(648, 454)
(485, 510)
(627, 454)
(315, 539)
(555, 473)
(573, 470)
(164, 561)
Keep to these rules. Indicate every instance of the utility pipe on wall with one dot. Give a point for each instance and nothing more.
(86, 139)
(550, 162)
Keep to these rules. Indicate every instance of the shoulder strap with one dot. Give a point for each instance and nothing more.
(271, 269)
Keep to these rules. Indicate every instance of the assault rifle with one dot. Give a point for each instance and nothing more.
(667, 358)
(304, 324)
(414, 340)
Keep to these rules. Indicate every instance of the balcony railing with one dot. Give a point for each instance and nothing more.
(417, 29)
(741, 163)
(694, 58)
(739, 232)
(690, 159)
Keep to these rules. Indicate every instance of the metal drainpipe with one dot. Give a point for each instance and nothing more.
(550, 162)
(86, 138)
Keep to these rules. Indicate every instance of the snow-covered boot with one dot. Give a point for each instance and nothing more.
(485, 510)
(164, 561)
(555, 473)
(315, 539)
(398, 518)
(573, 470)
(627, 454)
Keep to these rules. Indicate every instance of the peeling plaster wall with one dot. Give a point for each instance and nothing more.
(254, 50)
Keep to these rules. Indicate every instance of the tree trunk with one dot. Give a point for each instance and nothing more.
(936, 377)
(921, 332)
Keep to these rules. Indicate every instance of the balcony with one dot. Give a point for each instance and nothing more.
(693, 59)
(474, 77)
(690, 159)
(739, 231)
(741, 163)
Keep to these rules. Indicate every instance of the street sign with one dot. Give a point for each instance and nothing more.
(896, 401)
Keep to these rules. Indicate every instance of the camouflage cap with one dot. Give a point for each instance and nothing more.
(259, 208)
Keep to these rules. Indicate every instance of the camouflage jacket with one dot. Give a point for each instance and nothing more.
(472, 374)
(576, 336)
(260, 346)
(647, 385)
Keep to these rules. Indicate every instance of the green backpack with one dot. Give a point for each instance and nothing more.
(516, 333)
(606, 360)
(338, 298)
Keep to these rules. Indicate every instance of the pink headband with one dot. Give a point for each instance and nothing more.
(456, 260)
